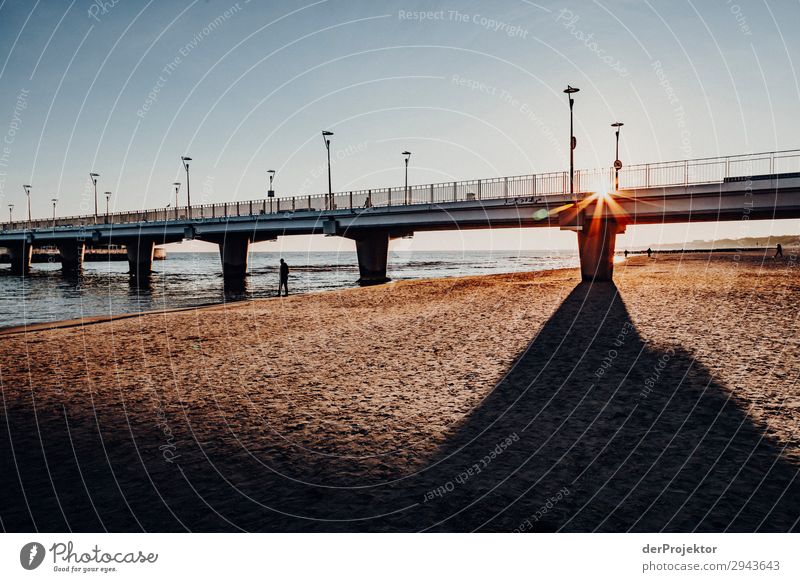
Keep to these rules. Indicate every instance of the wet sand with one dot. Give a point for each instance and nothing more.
(532, 402)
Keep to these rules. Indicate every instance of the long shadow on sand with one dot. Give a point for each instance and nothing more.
(591, 430)
(614, 436)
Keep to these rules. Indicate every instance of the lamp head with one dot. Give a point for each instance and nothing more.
(186, 158)
(94, 175)
(570, 90)
(327, 133)
(271, 172)
(617, 124)
(407, 153)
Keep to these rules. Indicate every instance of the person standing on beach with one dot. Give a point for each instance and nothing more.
(778, 251)
(649, 252)
(284, 284)
(626, 253)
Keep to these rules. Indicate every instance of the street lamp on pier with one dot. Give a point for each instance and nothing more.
(54, 201)
(10, 214)
(407, 155)
(325, 136)
(27, 188)
(177, 189)
(108, 199)
(271, 192)
(93, 176)
(572, 141)
(617, 162)
(186, 160)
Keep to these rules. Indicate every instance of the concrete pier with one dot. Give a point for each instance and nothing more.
(71, 254)
(596, 243)
(20, 255)
(373, 251)
(140, 256)
(234, 252)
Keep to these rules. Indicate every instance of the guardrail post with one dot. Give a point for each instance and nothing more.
(351, 199)
(505, 187)
(686, 172)
(389, 196)
(292, 203)
(251, 208)
(309, 202)
(455, 192)
(479, 189)
(647, 175)
(431, 193)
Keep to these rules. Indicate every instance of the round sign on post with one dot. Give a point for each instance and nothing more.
(617, 165)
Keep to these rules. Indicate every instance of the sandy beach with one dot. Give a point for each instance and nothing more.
(668, 401)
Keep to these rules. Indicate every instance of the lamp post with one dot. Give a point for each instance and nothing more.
(407, 155)
(27, 188)
(325, 136)
(186, 160)
(108, 198)
(10, 214)
(617, 162)
(54, 201)
(572, 141)
(271, 192)
(93, 176)
(177, 188)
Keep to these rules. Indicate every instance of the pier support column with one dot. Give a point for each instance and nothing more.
(71, 253)
(20, 255)
(596, 242)
(140, 256)
(373, 252)
(234, 252)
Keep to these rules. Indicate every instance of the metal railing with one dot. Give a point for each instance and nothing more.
(661, 174)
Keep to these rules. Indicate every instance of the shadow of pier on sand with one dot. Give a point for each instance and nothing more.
(613, 435)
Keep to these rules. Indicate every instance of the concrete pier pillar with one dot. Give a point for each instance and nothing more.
(140, 256)
(373, 252)
(20, 255)
(71, 253)
(596, 242)
(234, 252)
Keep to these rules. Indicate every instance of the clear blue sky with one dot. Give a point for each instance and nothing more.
(473, 90)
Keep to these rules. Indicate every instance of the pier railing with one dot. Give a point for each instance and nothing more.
(537, 186)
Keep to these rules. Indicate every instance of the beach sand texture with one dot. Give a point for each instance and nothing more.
(667, 401)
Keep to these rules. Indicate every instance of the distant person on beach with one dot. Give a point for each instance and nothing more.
(778, 251)
(626, 253)
(284, 284)
(649, 252)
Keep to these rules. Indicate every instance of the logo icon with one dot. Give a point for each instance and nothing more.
(31, 555)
